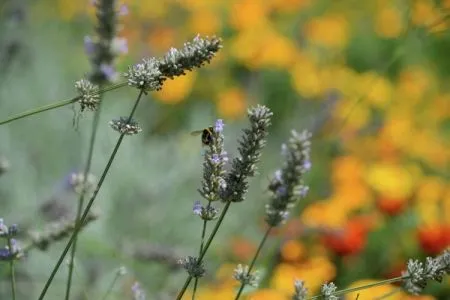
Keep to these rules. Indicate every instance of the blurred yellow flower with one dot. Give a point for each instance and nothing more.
(375, 89)
(177, 89)
(204, 22)
(352, 196)
(267, 294)
(328, 30)
(150, 9)
(398, 129)
(391, 180)
(373, 292)
(425, 13)
(430, 190)
(388, 22)
(292, 6)
(326, 214)
(412, 84)
(278, 51)
(69, 9)
(314, 272)
(305, 77)
(352, 112)
(231, 103)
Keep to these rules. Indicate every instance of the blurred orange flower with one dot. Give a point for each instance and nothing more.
(391, 206)
(347, 169)
(161, 39)
(231, 103)
(246, 14)
(350, 241)
(242, 248)
(292, 251)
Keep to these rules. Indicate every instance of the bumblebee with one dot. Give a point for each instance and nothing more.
(207, 135)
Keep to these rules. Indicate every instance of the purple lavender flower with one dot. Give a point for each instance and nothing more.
(137, 291)
(218, 127)
(89, 45)
(197, 209)
(215, 159)
(109, 72)
(123, 10)
(120, 45)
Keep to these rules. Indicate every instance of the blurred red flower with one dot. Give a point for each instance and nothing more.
(434, 238)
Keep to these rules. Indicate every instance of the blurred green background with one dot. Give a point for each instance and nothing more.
(368, 78)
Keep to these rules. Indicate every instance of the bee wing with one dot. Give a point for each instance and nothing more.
(197, 132)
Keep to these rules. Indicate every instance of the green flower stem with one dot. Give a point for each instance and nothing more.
(359, 288)
(81, 199)
(202, 242)
(111, 286)
(91, 201)
(13, 273)
(57, 104)
(208, 243)
(252, 264)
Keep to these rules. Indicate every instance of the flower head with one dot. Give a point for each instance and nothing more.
(145, 76)
(218, 126)
(244, 276)
(301, 292)
(89, 97)
(327, 291)
(124, 126)
(137, 292)
(191, 265)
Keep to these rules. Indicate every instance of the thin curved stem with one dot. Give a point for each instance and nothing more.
(89, 205)
(82, 195)
(252, 264)
(39, 110)
(111, 286)
(13, 272)
(57, 104)
(205, 249)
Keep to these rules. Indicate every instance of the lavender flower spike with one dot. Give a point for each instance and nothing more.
(287, 185)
